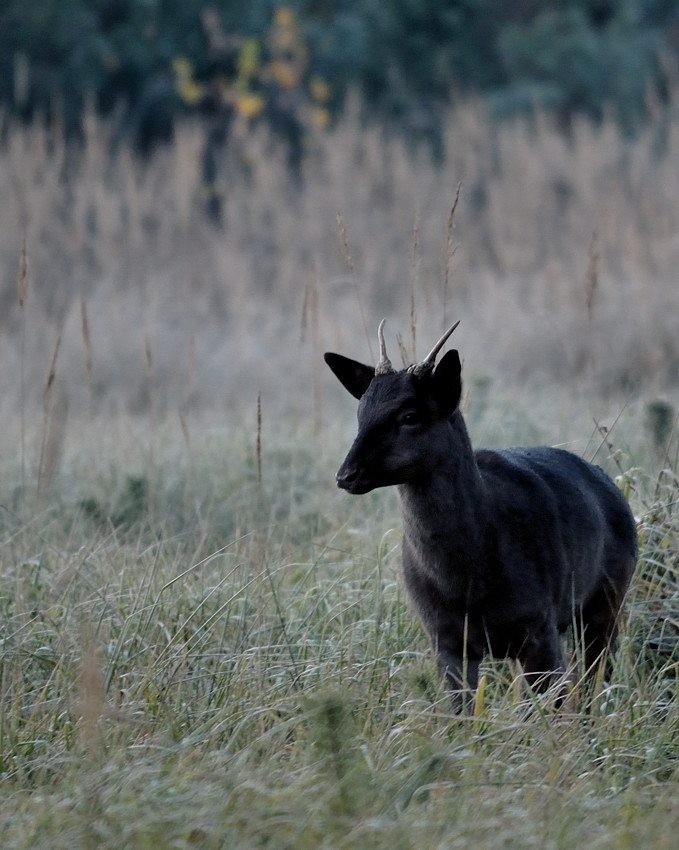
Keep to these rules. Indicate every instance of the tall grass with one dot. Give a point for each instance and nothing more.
(204, 643)
(132, 245)
(233, 663)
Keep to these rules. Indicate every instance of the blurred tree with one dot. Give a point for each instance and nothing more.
(227, 66)
(408, 58)
(46, 49)
(239, 80)
(295, 97)
(586, 58)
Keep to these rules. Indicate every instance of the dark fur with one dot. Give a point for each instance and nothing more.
(502, 550)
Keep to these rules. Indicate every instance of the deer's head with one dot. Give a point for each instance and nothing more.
(402, 416)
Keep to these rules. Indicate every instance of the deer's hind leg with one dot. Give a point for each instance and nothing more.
(597, 628)
(543, 661)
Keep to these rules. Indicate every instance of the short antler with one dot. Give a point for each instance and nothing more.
(384, 366)
(426, 366)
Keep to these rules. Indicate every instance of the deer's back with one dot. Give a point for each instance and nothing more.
(559, 517)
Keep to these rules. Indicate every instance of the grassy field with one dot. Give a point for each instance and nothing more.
(194, 657)
(204, 643)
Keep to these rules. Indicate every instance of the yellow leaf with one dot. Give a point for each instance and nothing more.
(249, 105)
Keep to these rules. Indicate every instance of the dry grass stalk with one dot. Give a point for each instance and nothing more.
(51, 375)
(306, 306)
(148, 358)
(87, 340)
(53, 441)
(22, 282)
(449, 253)
(90, 706)
(344, 239)
(403, 350)
(185, 429)
(592, 275)
(191, 370)
(414, 279)
(258, 441)
(189, 476)
(310, 316)
(150, 383)
(22, 292)
(55, 412)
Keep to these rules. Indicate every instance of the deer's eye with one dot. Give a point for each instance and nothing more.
(409, 417)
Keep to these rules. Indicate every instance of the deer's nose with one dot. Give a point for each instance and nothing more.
(347, 476)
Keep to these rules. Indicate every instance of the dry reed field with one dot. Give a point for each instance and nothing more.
(203, 643)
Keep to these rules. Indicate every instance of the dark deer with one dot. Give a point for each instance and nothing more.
(503, 550)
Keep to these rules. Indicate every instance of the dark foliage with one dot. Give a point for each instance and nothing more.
(409, 58)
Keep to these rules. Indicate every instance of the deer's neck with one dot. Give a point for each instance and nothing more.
(445, 511)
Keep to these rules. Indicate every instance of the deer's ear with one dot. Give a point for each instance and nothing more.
(448, 382)
(353, 376)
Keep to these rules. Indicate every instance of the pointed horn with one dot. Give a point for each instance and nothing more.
(384, 366)
(426, 366)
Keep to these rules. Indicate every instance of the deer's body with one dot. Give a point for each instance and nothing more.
(504, 550)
